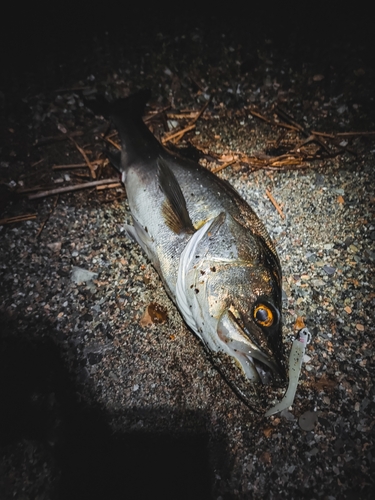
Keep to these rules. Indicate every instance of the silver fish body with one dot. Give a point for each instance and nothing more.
(213, 254)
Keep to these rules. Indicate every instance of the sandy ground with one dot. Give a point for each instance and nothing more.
(100, 400)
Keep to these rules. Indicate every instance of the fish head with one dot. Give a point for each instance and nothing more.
(256, 309)
(232, 287)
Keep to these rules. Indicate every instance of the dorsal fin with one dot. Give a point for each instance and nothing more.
(175, 212)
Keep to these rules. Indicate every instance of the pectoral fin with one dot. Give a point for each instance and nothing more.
(175, 212)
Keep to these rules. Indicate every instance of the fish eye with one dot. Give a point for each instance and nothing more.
(263, 315)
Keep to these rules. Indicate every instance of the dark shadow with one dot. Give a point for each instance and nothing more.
(39, 403)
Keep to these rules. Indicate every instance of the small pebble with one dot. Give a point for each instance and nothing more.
(308, 420)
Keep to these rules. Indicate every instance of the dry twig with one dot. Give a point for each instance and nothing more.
(272, 122)
(177, 135)
(223, 166)
(76, 165)
(275, 204)
(17, 218)
(109, 186)
(67, 189)
(117, 146)
(47, 218)
(57, 138)
(86, 158)
(348, 134)
(200, 113)
(153, 114)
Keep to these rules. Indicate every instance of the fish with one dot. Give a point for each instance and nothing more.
(213, 254)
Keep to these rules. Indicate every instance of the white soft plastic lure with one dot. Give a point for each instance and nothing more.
(295, 363)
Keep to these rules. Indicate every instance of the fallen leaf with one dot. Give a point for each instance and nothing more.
(154, 314)
(265, 457)
(323, 384)
(267, 432)
(299, 324)
(146, 321)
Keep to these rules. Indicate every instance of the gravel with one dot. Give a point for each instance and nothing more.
(105, 388)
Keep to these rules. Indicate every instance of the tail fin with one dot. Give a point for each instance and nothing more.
(137, 142)
(132, 106)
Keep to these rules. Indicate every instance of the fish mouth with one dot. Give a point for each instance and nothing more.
(257, 365)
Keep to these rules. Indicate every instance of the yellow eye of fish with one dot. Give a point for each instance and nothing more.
(263, 315)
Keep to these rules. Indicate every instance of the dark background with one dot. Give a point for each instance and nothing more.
(38, 40)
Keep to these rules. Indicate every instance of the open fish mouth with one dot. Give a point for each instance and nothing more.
(258, 366)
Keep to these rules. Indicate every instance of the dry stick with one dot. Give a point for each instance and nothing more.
(108, 139)
(275, 204)
(37, 162)
(152, 115)
(72, 165)
(29, 190)
(272, 122)
(109, 186)
(47, 218)
(178, 134)
(201, 111)
(67, 189)
(285, 163)
(89, 164)
(280, 112)
(261, 117)
(57, 138)
(221, 167)
(313, 138)
(310, 137)
(323, 134)
(348, 134)
(285, 125)
(280, 138)
(182, 115)
(17, 218)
